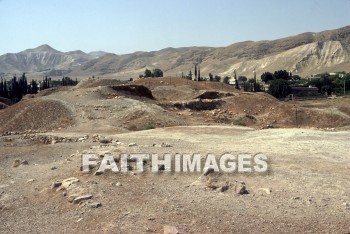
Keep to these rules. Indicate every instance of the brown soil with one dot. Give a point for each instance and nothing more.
(43, 137)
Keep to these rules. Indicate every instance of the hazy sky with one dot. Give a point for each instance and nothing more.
(125, 26)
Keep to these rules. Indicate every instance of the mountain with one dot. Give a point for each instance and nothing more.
(42, 59)
(303, 54)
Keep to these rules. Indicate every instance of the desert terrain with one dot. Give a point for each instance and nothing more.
(44, 136)
(303, 54)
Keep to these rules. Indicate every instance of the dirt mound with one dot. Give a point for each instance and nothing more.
(90, 83)
(35, 114)
(171, 93)
(213, 95)
(47, 92)
(134, 90)
(251, 103)
(152, 83)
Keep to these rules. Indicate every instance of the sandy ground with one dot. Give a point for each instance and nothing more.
(307, 188)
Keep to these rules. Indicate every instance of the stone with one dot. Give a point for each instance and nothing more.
(16, 163)
(97, 173)
(132, 144)
(71, 198)
(265, 190)
(241, 189)
(95, 205)
(165, 145)
(170, 230)
(119, 184)
(53, 168)
(82, 198)
(68, 182)
(56, 184)
(224, 188)
(105, 141)
(208, 171)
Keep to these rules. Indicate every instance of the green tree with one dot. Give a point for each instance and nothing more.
(148, 73)
(211, 78)
(217, 78)
(33, 87)
(236, 80)
(190, 75)
(267, 76)
(23, 84)
(2, 91)
(326, 89)
(157, 73)
(195, 72)
(242, 78)
(15, 91)
(226, 80)
(281, 74)
(279, 88)
(199, 74)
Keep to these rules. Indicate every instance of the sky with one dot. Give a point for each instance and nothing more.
(126, 26)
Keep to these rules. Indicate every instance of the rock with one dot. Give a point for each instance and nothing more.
(170, 230)
(56, 184)
(119, 184)
(68, 182)
(165, 145)
(241, 189)
(30, 180)
(105, 141)
(132, 144)
(16, 163)
(95, 205)
(53, 168)
(208, 171)
(97, 173)
(71, 198)
(224, 188)
(265, 190)
(82, 198)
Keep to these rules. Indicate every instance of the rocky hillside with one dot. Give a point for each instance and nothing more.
(302, 54)
(44, 59)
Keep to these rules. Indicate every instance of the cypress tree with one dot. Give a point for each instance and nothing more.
(195, 72)
(199, 73)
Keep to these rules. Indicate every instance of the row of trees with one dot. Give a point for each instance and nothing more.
(328, 84)
(16, 88)
(266, 77)
(155, 73)
(280, 82)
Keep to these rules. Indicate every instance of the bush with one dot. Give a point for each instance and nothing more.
(279, 88)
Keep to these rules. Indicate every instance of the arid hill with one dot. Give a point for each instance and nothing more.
(303, 54)
(117, 106)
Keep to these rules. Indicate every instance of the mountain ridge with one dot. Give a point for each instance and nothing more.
(303, 54)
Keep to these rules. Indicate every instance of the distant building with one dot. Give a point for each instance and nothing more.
(304, 91)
